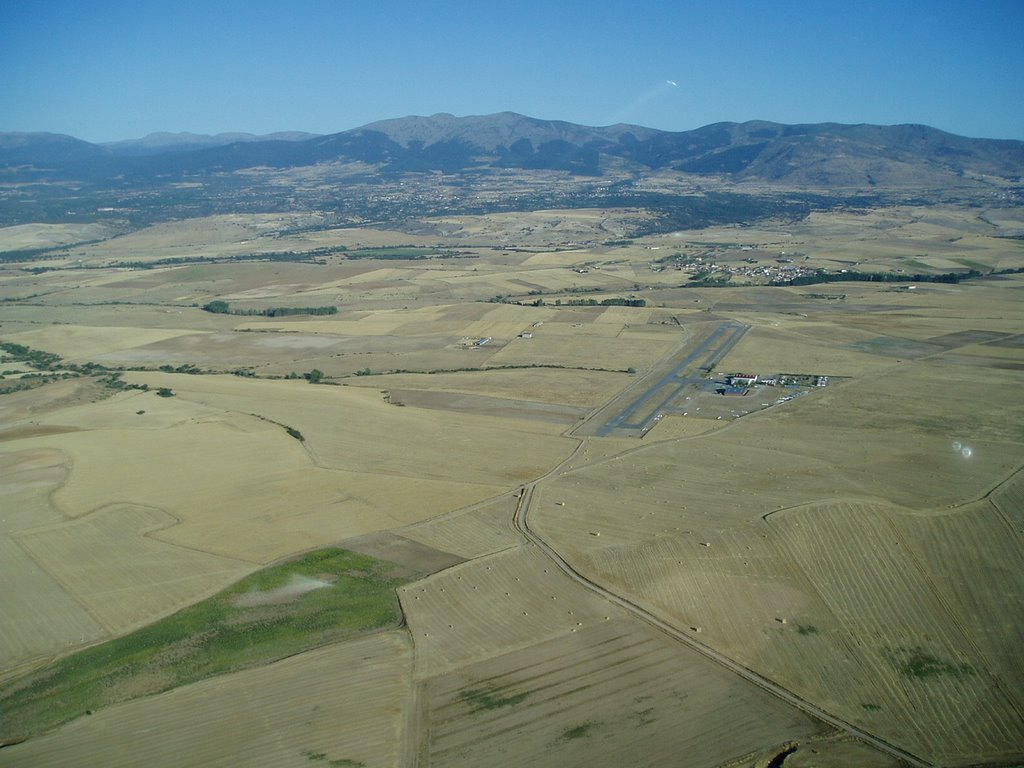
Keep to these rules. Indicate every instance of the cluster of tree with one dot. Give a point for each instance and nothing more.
(877, 277)
(28, 382)
(398, 252)
(616, 302)
(316, 376)
(219, 307)
(36, 358)
(301, 256)
(183, 368)
(113, 380)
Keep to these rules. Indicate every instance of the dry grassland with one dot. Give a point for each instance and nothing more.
(84, 343)
(1009, 499)
(794, 346)
(909, 238)
(624, 316)
(618, 693)
(674, 427)
(354, 429)
(107, 562)
(71, 582)
(567, 258)
(480, 530)
(380, 324)
(900, 624)
(18, 410)
(521, 282)
(40, 617)
(493, 605)
(27, 478)
(541, 385)
(232, 486)
(344, 704)
(506, 321)
(860, 545)
(604, 346)
(549, 228)
(28, 236)
(835, 751)
(973, 561)
(915, 657)
(223, 235)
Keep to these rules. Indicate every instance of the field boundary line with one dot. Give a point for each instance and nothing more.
(749, 675)
(66, 589)
(951, 616)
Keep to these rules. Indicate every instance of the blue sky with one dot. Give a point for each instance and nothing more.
(104, 71)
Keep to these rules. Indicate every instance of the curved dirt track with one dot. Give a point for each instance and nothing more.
(522, 509)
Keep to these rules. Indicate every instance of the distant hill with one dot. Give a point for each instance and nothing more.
(821, 156)
(157, 143)
(47, 149)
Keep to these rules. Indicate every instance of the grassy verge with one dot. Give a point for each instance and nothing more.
(410, 253)
(323, 597)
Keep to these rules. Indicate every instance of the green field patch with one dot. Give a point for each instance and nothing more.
(400, 253)
(325, 596)
(891, 346)
(321, 757)
(579, 731)
(916, 662)
(481, 700)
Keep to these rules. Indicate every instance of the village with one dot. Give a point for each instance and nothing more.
(706, 268)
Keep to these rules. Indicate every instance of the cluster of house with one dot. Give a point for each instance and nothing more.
(743, 380)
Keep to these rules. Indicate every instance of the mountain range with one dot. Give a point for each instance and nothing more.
(821, 156)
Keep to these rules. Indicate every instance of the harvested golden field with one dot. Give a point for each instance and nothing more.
(868, 611)
(856, 543)
(27, 236)
(244, 505)
(915, 657)
(90, 343)
(108, 562)
(572, 387)
(482, 529)
(618, 693)
(606, 346)
(354, 429)
(1009, 500)
(352, 709)
(792, 346)
(40, 617)
(493, 605)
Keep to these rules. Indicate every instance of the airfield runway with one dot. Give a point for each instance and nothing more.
(634, 415)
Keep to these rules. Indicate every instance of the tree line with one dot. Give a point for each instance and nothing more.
(220, 307)
(877, 277)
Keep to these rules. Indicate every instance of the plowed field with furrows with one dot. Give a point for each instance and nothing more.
(1009, 498)
(914, 673)
(343, 703)
(471, 533)
(618, 694)
(106, 561)
(494, 605)
(977, 569)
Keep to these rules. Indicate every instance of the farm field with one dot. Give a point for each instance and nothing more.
(853, 547)
(351, 710)
(613, 694)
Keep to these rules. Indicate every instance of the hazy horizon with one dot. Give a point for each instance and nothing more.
(243, 132)
(114, 71)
